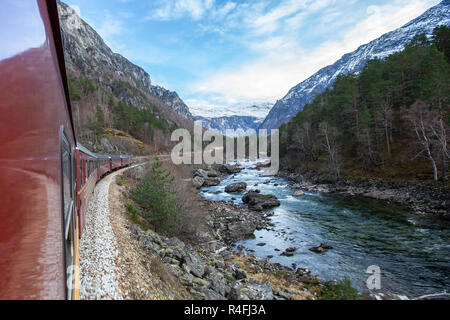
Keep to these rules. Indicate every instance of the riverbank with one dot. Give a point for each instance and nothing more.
(410, 249)
(165, 267)
(424, 200)
(200, 259)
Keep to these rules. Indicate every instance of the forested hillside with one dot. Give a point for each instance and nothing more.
(390, 121)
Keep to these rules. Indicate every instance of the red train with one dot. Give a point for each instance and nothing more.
(45, 177)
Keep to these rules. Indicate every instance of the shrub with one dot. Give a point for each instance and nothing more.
(134, 215)
(341, 290)
(156, 197)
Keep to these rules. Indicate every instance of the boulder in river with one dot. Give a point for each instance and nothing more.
(236, 187)
(298, 193)
(200, 173)
(228, 169)
(211, 182)
(322, 248)
(262, 244)
(259, 202)
(198, 182)
(289, 252)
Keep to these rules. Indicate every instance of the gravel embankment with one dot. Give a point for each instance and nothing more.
(99, 254)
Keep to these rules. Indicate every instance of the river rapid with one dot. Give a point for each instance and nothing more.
(411, 251)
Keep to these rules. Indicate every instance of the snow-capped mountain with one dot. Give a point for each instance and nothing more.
(257, 110)
(354, 62)
(221, 124)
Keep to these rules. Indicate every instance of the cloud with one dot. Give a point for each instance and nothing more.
(284, 62)
(175, 9)
(110, 26)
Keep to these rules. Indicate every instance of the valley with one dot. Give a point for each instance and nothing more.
(363, 177)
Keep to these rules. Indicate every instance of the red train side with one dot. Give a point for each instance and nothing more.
(45, 178)
(37, 153)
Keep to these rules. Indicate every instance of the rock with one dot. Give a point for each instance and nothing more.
(213, 295)
(236, 187)
(232, 169)
(326, 246)
(237, 272)
(283, 295)
(287, 254)
(235, 292)
(298, 193)
(228, 169)
(259, 202)
(218, 283)
(186, 279)
(194, 264)
(258, 291)
(322, 248)
(198, 182)
(262, 244)
(213, 174)
(200, 173)
(302, 271)
(211, 182)
(270, 214)
(201, 282)
(291, 249)
(263, 164)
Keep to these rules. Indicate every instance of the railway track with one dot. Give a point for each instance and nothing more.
(100, 259)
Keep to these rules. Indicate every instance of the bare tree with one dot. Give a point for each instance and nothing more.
(386, 113)
(330, 138)
(423, 121)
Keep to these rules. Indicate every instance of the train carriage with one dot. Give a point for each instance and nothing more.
(86, 168)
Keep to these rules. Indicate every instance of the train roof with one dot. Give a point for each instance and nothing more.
(85, 150)
(100, 156)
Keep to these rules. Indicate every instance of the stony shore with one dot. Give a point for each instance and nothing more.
(418, 198)
(208, 268)
(212, 271)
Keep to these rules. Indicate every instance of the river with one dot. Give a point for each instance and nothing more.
(411, 251)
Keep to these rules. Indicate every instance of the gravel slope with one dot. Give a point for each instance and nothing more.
(99, 254)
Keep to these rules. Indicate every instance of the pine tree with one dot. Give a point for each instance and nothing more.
(156, 197)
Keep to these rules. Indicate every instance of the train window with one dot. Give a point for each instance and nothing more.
(67, 206)
(66, 181)
(86, 168)
(81, 173)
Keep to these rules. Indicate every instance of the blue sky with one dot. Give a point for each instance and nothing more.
(222, 53)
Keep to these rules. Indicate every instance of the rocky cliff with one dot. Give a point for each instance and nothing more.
(87, 54)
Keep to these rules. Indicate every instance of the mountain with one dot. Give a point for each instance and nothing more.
(221, 124)
(87, 54)
(171, 99)
(257, 110)
(354, 62)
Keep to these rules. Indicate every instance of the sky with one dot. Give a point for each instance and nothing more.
(220, 54)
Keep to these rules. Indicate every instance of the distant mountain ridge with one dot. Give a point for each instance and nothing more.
(354, 62)
(221, 124)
